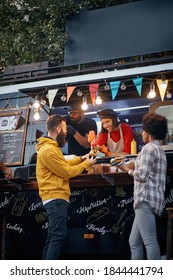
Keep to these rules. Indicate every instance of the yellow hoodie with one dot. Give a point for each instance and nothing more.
(53, 171)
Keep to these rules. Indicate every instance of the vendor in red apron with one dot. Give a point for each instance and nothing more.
(115, 136)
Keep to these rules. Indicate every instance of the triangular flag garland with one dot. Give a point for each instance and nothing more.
(162, 90)
(138, 84)
(114, 88)
(93, 90)
(51, 95)
(70, 91)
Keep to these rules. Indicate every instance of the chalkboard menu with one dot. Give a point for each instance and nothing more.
(13, 126)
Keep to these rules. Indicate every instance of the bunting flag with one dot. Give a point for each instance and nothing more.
(93, 90)
(114, 88)
(70, 91)
(138, 84)
(38, 134)
(20, 123)
(162, 89)
(51, 95)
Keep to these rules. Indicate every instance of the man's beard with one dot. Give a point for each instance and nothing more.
(60, 139)
(77, 120)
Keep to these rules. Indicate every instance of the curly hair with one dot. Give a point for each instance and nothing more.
(156, 125)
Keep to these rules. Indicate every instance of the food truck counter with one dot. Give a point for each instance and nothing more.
(100, 217)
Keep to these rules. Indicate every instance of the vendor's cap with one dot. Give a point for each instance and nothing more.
(107, 113)
(74, 107)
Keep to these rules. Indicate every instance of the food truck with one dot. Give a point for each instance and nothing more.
(101, 205)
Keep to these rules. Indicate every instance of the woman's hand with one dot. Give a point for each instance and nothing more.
(129, 167)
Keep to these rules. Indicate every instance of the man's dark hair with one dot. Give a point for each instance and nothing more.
(155, 125)
(53, 121)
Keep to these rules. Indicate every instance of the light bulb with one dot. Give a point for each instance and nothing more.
(63, 97)
(123, 86)
(98, 99)
(36, 116)
(43, 102)
(36, 104)
(168, 94)
(84, 104)
(163, 83)
(79, 93)
(152, 92)
(106, 87)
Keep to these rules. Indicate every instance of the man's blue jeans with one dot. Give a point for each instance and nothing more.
(57, 214)
(144, 232)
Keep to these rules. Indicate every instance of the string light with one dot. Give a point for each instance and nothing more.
(63, 97)
(84, 104)
(79, 93)
(163, 84)
(43, 101)
(36, 114)
(168, 94)
(123, 86)
(106, 87)
(36, 103)
(152, 92)
(98, 98)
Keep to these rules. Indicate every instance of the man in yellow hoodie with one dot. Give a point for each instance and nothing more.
(53, 172)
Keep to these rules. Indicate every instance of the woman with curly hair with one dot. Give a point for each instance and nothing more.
(149, 174)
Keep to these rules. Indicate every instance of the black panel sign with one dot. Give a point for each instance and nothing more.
(13, 125)
(132, 29)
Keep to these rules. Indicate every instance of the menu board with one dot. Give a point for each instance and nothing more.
(13, 126)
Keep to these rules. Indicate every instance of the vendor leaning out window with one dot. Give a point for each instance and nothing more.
(115, 136)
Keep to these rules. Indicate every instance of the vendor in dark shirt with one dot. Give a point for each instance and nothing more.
(78, 127)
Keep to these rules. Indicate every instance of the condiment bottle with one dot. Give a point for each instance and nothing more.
(133, 147)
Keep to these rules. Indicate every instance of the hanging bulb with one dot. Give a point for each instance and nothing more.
(43, 101)
(152, 92)
(36, 103)
(123, 86)
(168, 94)
(79, 93)
(63, 97)
(37, 114)
(163, 84)
(84, 104)
(98, 99)
(106, 87)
